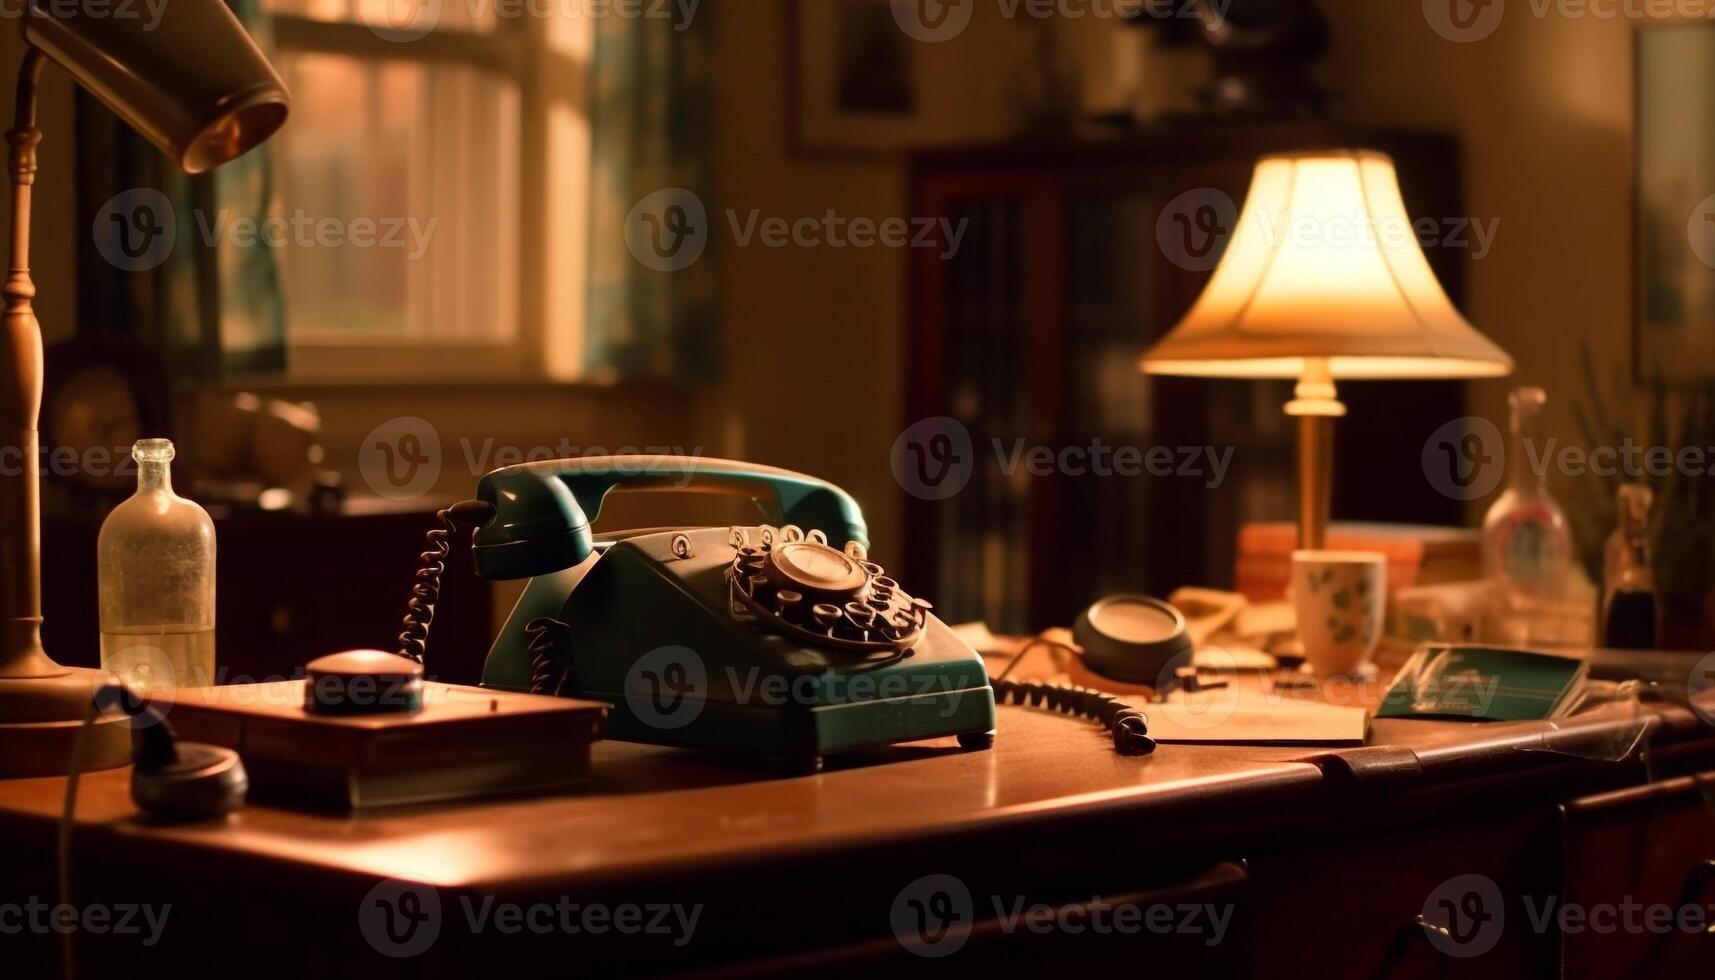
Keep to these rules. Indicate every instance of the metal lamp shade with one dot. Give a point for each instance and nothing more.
(195, 84)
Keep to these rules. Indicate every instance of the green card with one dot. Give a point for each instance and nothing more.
(1484, 684)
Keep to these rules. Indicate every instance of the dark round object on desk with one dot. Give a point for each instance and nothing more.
(1131, 638)
(363, 682)
(199, 782)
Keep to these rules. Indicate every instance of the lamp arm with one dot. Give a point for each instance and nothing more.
(21, 164)
(29, 74)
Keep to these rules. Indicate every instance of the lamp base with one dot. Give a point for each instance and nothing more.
(39, 722)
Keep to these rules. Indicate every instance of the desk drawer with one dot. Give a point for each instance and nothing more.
(1627, 852)
(1348, 906)
(1195, 927)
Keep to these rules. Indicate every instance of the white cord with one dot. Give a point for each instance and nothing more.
(68, 814)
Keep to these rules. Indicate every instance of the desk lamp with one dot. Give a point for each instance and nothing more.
(1323, 279)
(196, 86)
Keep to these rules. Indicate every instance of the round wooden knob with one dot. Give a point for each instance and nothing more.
(363, 682)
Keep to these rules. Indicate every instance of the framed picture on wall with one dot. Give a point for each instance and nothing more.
(858, 82)
(1673, 235)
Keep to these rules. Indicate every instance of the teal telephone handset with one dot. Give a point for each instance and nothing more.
(782, 639)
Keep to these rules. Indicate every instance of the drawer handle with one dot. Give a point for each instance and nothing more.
(1696, 880)
(1419, 932)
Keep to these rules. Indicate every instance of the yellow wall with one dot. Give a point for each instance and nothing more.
(815, 338)
(1543, 109)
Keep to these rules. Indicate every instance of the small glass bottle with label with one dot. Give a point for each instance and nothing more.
(155, 568)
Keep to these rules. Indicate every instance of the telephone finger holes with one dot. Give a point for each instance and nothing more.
(791, 534)
(738, 539)
(817, 537)
(766, 535)
(682, 547)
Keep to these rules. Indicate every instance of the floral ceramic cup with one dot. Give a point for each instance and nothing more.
(1341, 597)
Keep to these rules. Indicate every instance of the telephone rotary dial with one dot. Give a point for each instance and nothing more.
(807, 590)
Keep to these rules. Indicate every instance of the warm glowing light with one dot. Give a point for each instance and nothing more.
(1324, 263)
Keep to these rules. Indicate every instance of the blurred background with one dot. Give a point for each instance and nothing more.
(459, 248)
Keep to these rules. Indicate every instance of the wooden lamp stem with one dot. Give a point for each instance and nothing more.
(20, 404)
(42, 704)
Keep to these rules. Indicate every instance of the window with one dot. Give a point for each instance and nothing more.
(420, 128)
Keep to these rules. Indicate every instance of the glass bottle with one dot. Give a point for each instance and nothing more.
(1527, 545)
(155, 561)
(1629, 607)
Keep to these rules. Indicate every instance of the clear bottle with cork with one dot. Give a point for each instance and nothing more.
(1630, 612)
(155, 568)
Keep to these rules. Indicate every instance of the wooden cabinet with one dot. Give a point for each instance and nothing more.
(1640, 873)
(1071, 262)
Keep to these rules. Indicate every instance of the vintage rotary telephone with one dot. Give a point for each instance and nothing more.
(782, 640)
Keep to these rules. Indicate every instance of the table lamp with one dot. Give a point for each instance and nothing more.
(195, 85)
(1323, 279)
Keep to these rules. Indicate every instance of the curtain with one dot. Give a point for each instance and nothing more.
(651, 154)
(210, 307)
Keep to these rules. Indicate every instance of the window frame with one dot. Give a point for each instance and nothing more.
(547, 344)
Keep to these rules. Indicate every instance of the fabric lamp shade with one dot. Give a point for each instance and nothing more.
(1323, 272)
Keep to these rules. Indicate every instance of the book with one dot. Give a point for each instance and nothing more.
(1479, 683)
(1416, 554)
(466, 743)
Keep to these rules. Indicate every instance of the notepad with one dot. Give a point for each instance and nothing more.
(1233, 718)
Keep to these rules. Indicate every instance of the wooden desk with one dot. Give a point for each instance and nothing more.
(1321, 859)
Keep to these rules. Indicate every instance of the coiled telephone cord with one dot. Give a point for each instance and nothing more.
(426, 585)
(1129, 725)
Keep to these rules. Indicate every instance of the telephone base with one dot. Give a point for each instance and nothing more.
(651, 626)
(799, 734)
